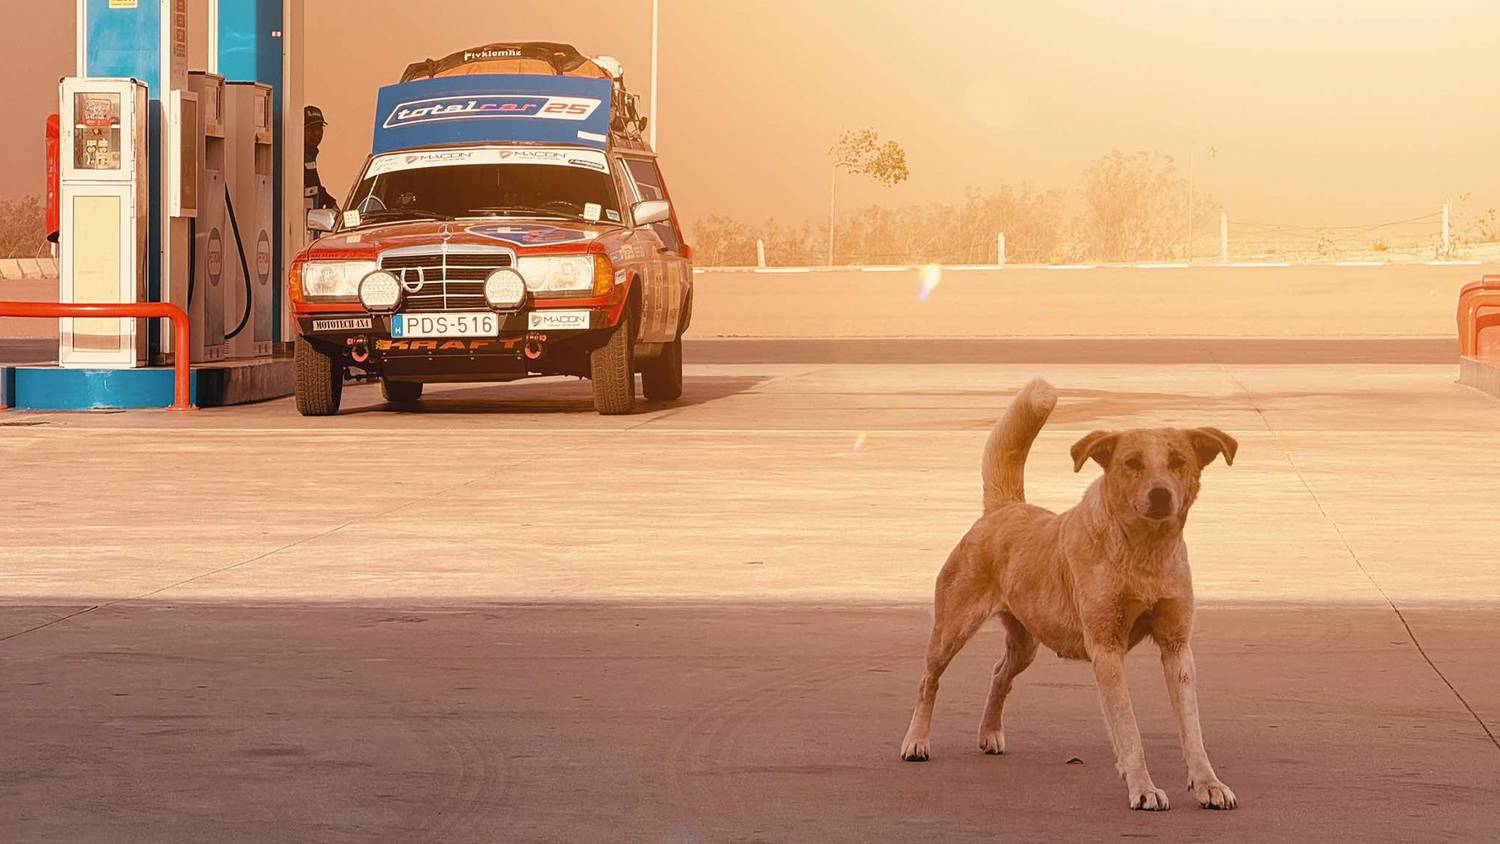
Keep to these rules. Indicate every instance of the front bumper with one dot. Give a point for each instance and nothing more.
(521, 347)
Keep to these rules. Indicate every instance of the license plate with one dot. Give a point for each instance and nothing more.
(557, 320)
(445, 325)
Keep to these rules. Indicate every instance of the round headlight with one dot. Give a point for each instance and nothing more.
(504, 289)
(380, 292)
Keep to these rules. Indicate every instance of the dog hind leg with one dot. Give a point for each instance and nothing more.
(954, 623)
(1020, 650)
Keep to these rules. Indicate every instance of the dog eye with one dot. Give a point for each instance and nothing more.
(1135, 463)
(1175, 461)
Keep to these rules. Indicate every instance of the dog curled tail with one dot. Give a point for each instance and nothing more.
(1004, 467)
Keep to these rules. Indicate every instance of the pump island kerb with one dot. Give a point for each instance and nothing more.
(510, 221)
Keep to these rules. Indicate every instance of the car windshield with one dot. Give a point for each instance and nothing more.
(454, 184)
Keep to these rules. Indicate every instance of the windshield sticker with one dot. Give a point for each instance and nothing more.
(351, 218)
(613, 215)
(530, 234)
(396, 162)
(591, 211)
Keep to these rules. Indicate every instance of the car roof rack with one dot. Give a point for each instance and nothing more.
(627, 124)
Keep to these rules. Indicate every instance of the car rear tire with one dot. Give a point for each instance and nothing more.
(612, 369)
(319, 380)
(661, 379)
(401, 392)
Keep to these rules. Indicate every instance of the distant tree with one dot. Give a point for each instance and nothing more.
(861, 152)
(1134, 208)
(23, 224)
(719, 241)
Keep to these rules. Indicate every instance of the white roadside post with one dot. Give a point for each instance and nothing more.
(1000, 249)
(1223, 237)
(760, 252)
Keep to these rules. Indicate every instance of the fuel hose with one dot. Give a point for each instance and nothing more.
(244, 268)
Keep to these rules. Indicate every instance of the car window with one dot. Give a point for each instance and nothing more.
(515, 183)
(648, 185)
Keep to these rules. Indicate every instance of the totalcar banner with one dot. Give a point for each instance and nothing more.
(488, 108)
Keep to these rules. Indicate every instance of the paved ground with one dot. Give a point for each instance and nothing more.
(1262, 301)
(704, 622)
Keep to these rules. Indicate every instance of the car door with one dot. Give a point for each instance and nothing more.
(668, 259)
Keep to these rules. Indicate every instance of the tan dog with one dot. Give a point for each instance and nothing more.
(1088, 583)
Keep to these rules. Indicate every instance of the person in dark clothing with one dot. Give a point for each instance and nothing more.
(314, 195)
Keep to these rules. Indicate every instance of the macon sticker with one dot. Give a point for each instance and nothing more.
(557, 320)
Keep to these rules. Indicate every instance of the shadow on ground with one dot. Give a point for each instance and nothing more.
(555, 395)
(615, 722)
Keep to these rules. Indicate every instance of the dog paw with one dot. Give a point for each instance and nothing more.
(1148, 798)
(1212, 794)
(914, 750)
(992, 743)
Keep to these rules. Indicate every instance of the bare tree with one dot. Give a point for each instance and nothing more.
(719, 241)
(23, 228)
(1134, 207)
(861, 152)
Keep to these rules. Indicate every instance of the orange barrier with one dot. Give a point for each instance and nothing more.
(181, 332)
(1472, 298)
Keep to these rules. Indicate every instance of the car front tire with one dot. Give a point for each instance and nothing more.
(319, 380)
(401, 392)
(661, 379)
(612, 369)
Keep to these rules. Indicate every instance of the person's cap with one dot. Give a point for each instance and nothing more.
(312, 115)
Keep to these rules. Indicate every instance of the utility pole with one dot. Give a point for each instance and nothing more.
(1447, 243)
(651, 121)
(833, 181)
(1188, 252)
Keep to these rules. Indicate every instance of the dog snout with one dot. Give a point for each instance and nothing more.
(1159, 503)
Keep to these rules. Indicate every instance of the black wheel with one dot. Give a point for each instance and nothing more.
(401, 392)
(612, 369)
(320, 380)
(661, 379)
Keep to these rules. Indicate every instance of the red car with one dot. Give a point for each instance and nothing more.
(523, 242)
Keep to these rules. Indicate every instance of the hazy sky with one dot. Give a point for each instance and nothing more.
(1320, 111)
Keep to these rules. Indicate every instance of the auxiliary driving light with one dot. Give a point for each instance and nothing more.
(504, 289)
(380, 292)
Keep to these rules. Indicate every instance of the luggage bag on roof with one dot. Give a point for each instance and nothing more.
(538, 57)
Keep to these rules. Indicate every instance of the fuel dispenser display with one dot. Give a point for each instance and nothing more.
(103, 212)
(205, 292)
(250, 209)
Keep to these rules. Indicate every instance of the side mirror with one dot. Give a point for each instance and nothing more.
(651, 211)
(321, 219)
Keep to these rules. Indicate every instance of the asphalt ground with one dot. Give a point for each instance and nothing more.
(503, 617)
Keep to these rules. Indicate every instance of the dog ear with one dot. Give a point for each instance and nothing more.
(1096, 444)
(1210, 442)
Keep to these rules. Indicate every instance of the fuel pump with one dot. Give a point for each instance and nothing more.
(105, 203)
(250, 214)
(205, 291)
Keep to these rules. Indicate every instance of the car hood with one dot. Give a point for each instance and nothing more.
(548, 236)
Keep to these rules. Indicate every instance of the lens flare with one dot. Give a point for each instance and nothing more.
(931, 275)
(859, 440)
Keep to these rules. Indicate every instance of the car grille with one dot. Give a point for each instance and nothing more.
(449, 280)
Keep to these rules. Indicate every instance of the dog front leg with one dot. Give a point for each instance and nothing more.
(1119, 718)
(1182, 686)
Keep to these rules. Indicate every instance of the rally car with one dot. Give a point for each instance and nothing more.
(507, 224)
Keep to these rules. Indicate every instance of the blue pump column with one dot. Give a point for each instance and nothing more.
(146, 40)
(260, 41)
